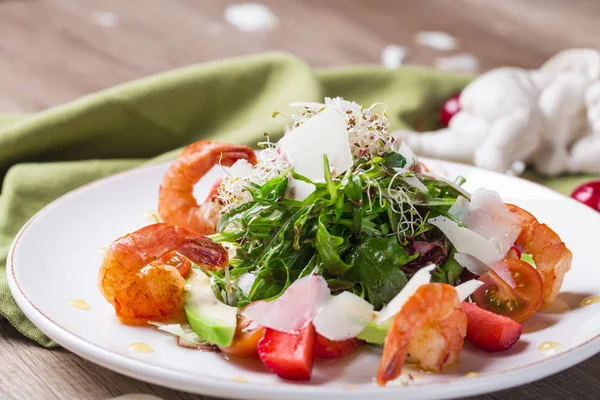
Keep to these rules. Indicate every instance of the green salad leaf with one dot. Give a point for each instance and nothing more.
(354, 230)
(394, 160)
(327, 245)
(376, 263)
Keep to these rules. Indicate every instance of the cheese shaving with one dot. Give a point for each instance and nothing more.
(367, 128)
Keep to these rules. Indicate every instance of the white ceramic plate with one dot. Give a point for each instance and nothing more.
(55, 258)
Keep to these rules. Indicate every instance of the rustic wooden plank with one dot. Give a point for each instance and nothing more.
(28, 371)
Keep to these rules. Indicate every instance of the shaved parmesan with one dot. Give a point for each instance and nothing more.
(367, 128)
(297, 305)
(299, 190)
(343, 317)
(466, 241)
(420, 278)
(467, 288)
(487, 215)
(303, 147)
(471, 263)
(453, 185)
(416, 183)
(185, 333)
(240, 169)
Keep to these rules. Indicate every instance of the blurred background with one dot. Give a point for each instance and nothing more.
(52, 52)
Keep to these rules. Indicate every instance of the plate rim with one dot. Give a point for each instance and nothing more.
(215, 386)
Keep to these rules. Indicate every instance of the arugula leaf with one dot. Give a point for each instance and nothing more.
(352, 187)
(338, 285)
(221, 290)
(329, 180)
(274, 189)
(327, 245)
(270, 282)
(376, 262)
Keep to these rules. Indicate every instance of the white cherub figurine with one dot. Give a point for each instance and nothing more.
(549, 118)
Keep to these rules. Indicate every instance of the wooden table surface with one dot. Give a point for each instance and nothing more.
(52, 52)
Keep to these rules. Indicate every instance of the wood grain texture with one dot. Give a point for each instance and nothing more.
(52, 52)
(28, 372)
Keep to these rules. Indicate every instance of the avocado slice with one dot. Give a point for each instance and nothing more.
(375, 333)
(210, 319)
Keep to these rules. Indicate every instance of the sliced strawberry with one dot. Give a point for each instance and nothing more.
(289, 355)
(488, 331)
(329, 349)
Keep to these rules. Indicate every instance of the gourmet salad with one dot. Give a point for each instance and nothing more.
(334, 237)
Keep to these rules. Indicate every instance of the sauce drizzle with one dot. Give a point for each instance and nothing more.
(79, 304)
(549, 345)
(590, 301)
(140, 348)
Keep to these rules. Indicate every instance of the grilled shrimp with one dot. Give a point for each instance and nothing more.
(176, 202)
(551, 256)
(141, 273)
(431, 327)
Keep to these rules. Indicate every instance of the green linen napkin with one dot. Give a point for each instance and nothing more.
(43, 156)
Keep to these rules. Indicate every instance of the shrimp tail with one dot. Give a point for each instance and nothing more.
(431, 326)
(205, 253)
(392, 361)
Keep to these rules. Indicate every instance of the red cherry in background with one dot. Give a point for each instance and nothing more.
(449, 109)
(588, 194)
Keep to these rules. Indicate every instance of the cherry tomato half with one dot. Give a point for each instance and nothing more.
(497, 296)
(245, 340)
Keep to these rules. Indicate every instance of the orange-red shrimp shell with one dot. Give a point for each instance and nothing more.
(141, 273)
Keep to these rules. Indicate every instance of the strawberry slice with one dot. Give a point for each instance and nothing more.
(289, 355)
(488, 331)
(329, 349)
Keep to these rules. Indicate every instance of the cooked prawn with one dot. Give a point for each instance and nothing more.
(551, 256)
(176, 202)
(141, 273)
(431, 327)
